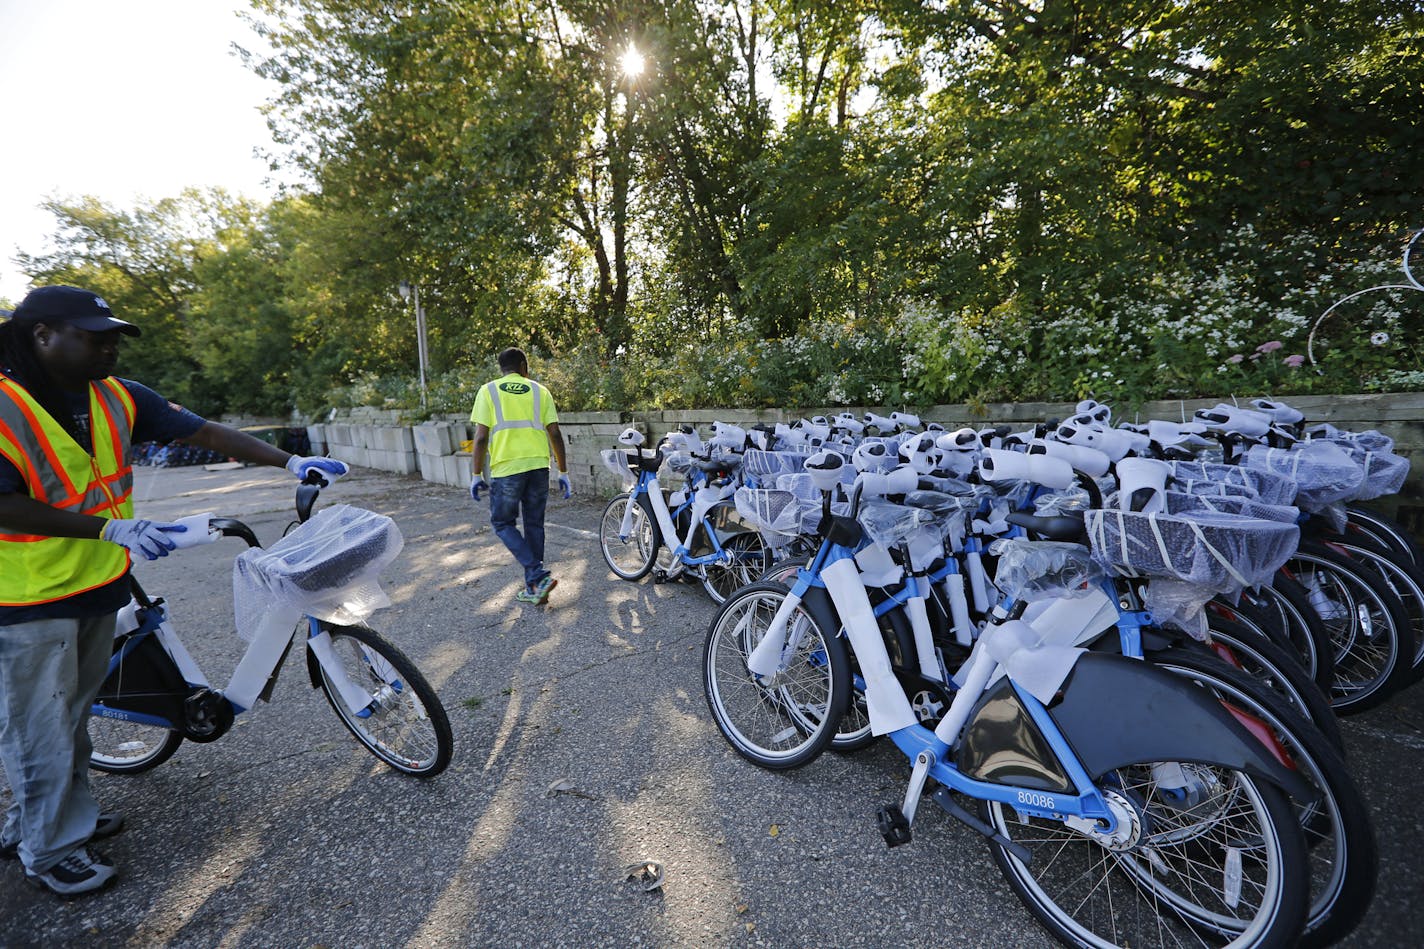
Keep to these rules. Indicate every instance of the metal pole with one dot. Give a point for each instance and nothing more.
(420, 343)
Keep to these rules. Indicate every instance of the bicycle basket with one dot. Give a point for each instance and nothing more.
(1182, 503)
(775, 512)
(326, 568)
(766, 466)
(626, 462)
(1384, 471)
(1324, 472)
(1220, 552)
(1271, 487)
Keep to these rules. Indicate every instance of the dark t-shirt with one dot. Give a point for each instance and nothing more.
(155, 420)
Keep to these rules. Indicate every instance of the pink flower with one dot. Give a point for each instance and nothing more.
(1235, 359)
(1295, 362)
(1270, 347)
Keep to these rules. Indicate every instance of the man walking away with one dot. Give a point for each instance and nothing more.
(516, 426)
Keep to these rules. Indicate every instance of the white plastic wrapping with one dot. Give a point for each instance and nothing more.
(617, 460)
(889, 524)
(1324, 472)
(1044, 570)
(778, 514)
(765, 466)
(326, 568)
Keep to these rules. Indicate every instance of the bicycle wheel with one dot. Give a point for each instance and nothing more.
(749, 559)
(630, 557)
(405, 725)
(1270, 666)
(1369, 631)
(1288, 600)
(124, 747)
(1226, 870)
(1339, 839)
(789, 720)
(1384, 530)
(1404, 581)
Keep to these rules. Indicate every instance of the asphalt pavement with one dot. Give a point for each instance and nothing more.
(583, 747)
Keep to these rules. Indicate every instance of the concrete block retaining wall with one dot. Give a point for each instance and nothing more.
(377, 438)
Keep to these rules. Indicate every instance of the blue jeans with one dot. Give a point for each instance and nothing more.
(50, 671)
(526, 492)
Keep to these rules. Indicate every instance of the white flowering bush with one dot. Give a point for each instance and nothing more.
(1246, 322)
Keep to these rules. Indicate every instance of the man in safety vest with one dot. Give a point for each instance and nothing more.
(516, 424)
(68, 536)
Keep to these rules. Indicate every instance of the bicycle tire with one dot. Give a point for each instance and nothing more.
(1087, 895)
(1368, 628)
(788, 722)
(1404, 581)
(1340, 840)
(633, 558)
(1310, 642)
(853, 733)
(1270, 666)
(119, 746)
(1385, 530)
(405, 725)
(749, 560)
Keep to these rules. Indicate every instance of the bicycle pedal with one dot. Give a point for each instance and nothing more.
(660, 575)
(893, 825)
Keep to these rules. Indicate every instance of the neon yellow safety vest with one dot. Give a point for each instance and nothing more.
(516, 417)
(60, 473)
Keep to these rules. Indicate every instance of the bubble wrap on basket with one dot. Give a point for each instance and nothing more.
(1271, 487)
(1044, 570)
(616, 461)
(775, 512)
(1324, 472)
(1179, 502)
(765, 466)
(1384, 471)
(1221, 552)
(327, 568)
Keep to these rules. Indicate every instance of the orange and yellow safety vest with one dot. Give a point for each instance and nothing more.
(59, 472)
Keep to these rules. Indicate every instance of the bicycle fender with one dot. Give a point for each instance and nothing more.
(1117, 712)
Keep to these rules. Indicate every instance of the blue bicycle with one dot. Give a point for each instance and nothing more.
(692, 531)
(1124, 804)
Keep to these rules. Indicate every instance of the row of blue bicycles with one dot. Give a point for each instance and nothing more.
(1117, 652)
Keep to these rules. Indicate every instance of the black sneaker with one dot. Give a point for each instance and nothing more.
(81, 872)
(108, 826)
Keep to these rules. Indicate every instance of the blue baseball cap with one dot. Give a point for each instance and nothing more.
(82, 308)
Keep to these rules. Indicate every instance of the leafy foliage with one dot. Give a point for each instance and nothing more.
(826, 201)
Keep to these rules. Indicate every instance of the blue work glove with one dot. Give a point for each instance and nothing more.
(478, 486)
(149, 538)
(330, 468)
(565, 486)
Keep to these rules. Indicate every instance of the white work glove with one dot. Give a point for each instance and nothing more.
(565, 486)
(478, 486)
(150, 538)
(330, 468)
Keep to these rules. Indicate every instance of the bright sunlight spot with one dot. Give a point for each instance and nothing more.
(633, 62)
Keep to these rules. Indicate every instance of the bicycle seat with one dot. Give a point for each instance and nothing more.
(937, 503)
(1056, 527)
